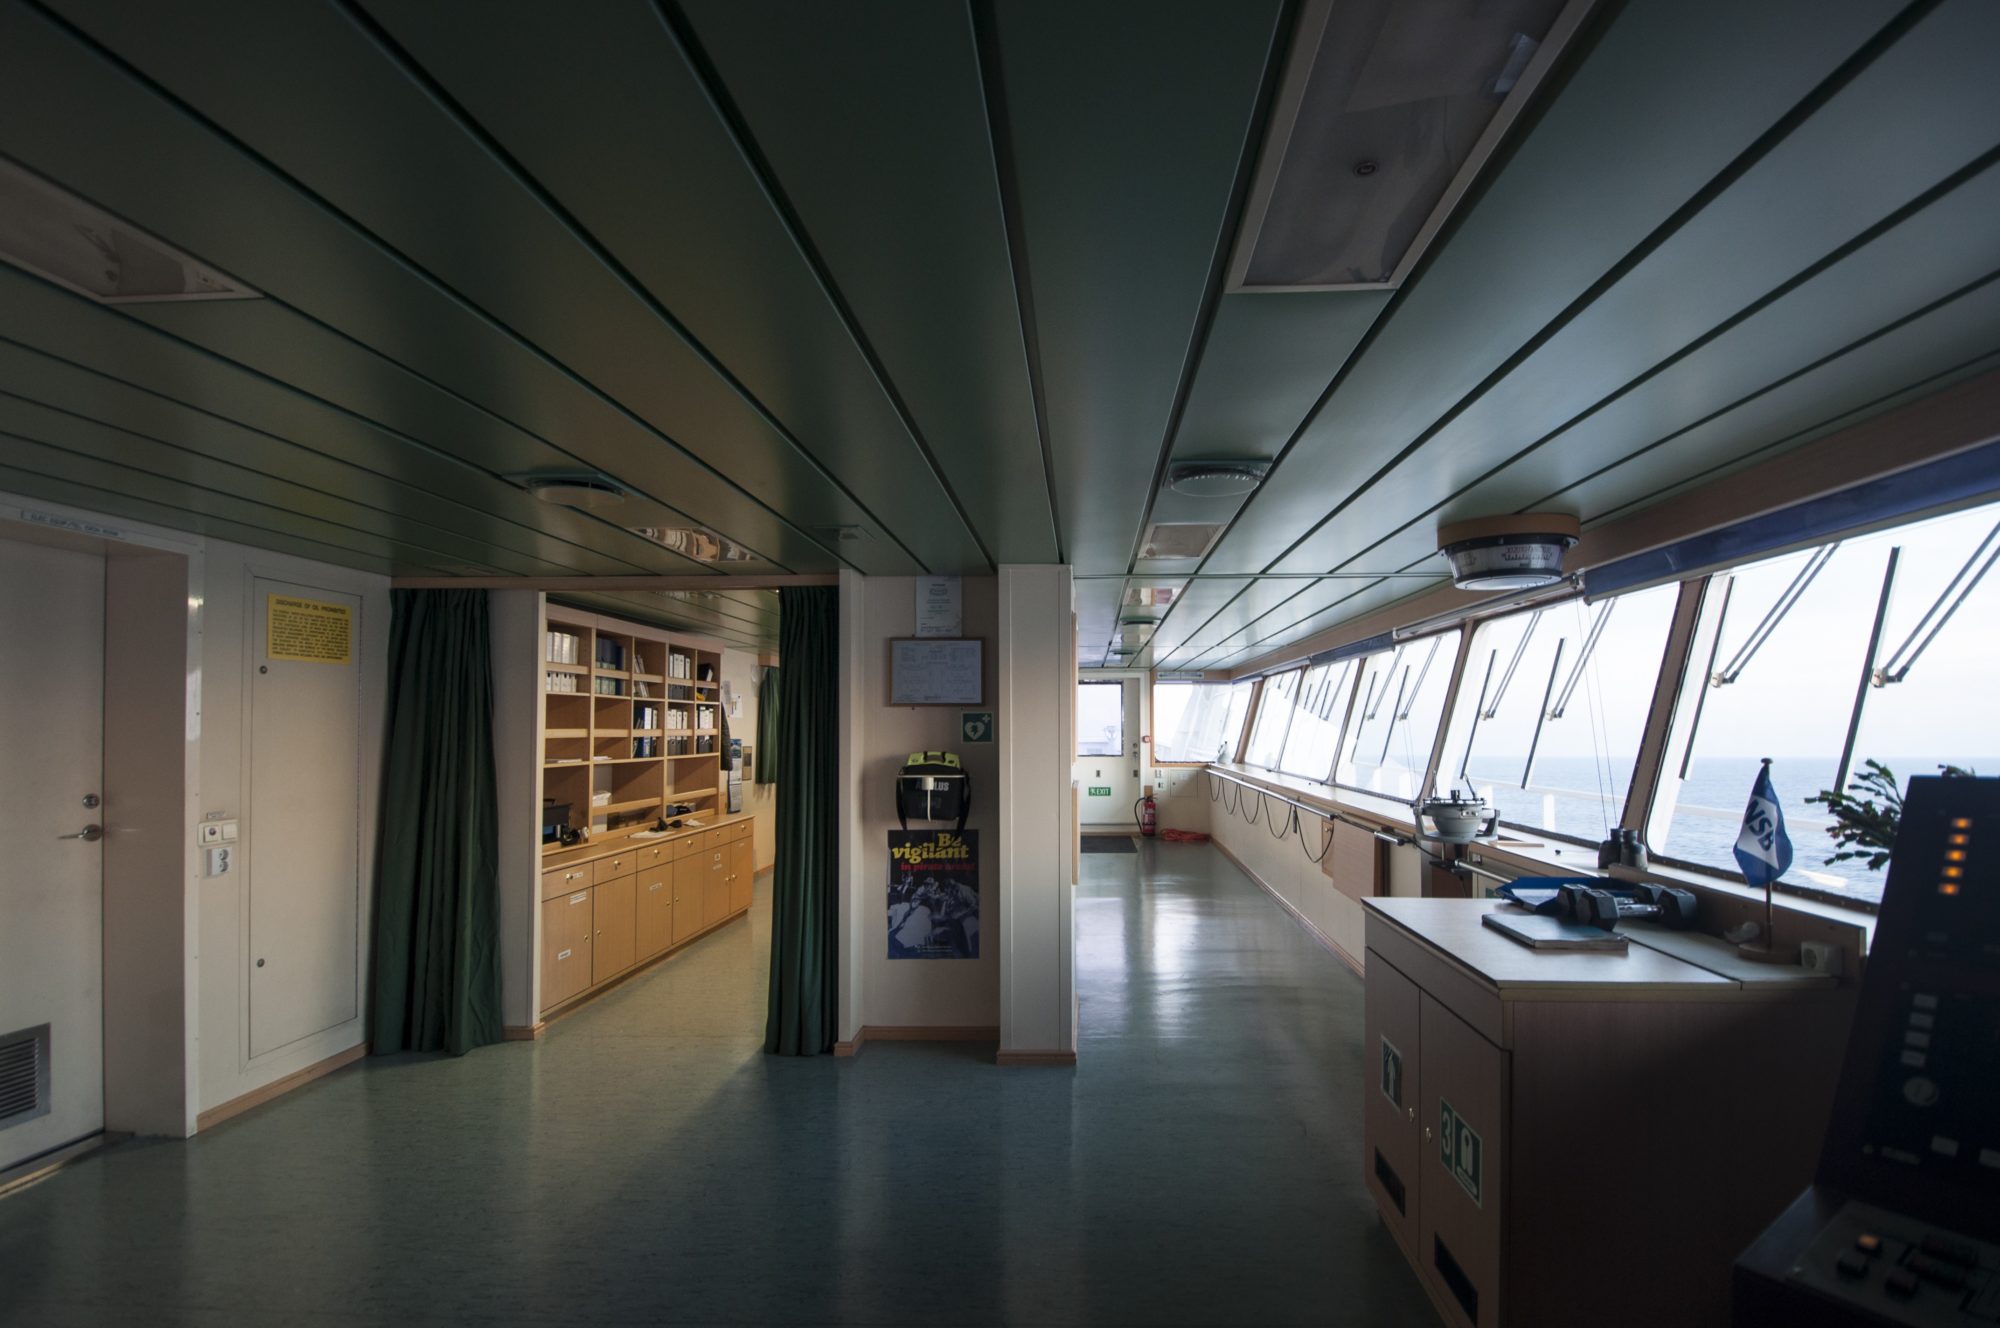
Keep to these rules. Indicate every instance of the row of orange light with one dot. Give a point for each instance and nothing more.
(1954, 854)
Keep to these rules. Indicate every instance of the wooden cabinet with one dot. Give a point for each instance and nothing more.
(614, 947)
(715, 886)
(742, 873)
(609, 909)
(1390, 1095)
(655, 929)
(567, 928)
(690, 876)
(1523, 1108)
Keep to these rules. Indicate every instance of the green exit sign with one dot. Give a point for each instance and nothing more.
(1100, 790)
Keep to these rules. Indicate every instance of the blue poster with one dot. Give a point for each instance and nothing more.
(933, 894)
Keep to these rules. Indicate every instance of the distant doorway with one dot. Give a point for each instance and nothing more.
(1107, 751)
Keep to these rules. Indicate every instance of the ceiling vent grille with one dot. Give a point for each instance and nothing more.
(1387, 111)
(1179, 539)
(52, 233)
(24, 1076)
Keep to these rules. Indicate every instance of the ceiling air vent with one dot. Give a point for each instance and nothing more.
(1387, 112)
(587, 492)
(1179, 539)
(57, 236)
(24, 1075)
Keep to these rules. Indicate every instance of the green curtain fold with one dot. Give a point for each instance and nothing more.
(437, 974)
(767, 727)
(804, 888)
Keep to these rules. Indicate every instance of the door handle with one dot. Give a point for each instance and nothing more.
(90, 834)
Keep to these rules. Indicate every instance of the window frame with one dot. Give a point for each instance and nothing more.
(1427, 776)
(1345, 705)
(1227, 684)
(1256, 716)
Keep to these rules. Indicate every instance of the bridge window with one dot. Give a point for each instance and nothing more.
(1198, 721)
(1789, 662)
(1316, 720)
(1387, 744)
(1552, 708)
(1274, 719)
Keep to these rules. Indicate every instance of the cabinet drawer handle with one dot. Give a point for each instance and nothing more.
(1427, 1134)
(571, 876)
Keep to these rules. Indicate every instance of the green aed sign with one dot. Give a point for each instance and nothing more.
(1100, 790)
(975, 726)
(1459, 1149)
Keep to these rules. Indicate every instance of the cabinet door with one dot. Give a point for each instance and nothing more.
(690, 875)
(741, 876)
(1462, 1093)
(715, 899)
(614, 949)
(656, 909)
(566, 934)
(1390, 1133)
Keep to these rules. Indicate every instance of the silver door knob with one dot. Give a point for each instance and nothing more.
(90, 834)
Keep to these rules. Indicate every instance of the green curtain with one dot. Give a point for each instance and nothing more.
(767, 727)
(437, 929)
(804, 888)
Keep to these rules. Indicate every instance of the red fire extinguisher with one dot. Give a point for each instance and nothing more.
(1147, 814)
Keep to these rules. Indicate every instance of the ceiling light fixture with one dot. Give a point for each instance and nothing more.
(50, 232)
(1521, 552)
(585, 492)
(696, 542)
(1216, 479)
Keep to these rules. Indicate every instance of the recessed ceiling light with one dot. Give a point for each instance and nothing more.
(1216, 479)
(588, 492)
(1179, 539)
(46, 230)
(696, 542)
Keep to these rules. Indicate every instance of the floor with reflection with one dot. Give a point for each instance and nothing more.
(645, 1163)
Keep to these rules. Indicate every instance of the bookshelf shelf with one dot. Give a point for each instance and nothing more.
(615, 744)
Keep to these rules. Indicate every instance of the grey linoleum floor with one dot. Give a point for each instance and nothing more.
(645, 1163)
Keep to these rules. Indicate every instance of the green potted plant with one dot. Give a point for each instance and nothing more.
(1864, 827)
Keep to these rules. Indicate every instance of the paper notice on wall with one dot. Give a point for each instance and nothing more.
(310, 630)
(940, 609)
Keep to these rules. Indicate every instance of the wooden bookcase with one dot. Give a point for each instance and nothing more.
(631, 724)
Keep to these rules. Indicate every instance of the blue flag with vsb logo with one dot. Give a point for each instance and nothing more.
(1763, 849)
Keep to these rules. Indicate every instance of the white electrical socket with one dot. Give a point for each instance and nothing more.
(1820, 957)
(220, 860)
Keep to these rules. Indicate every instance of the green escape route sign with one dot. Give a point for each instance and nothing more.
(1100, 790)
(1459, 1149)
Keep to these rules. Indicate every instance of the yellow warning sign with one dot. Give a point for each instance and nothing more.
(309, 629)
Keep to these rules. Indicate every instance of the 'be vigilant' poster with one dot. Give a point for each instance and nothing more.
(933, 894)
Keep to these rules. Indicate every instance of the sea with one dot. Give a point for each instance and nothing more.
(1576, 796)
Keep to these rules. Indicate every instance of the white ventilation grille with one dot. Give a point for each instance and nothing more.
(1387, 111)
(1179, 539)
(46, 230)
(24, 1075)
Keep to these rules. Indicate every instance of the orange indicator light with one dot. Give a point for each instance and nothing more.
(1961, 822)
(1948, 888)
(1954, 855)
(1954, 872)
(1958, 839)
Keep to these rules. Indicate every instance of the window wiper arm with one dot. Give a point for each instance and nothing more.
(1583, 658)
(1762, 633)
(1541, 716)
(1897, 666)
(1493, 707)
(1478, 713)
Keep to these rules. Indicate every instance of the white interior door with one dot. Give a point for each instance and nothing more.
(52, 883)
(1107, 750)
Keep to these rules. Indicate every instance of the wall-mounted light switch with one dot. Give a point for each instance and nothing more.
(218, 832)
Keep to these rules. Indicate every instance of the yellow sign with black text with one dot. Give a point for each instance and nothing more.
(310, 630)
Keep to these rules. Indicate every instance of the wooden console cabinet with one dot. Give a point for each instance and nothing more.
(1564, 1138)
(608, 909)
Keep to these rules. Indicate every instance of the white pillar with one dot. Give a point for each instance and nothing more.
(860, 907)
(1037, 696)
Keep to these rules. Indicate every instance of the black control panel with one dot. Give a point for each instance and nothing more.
(1917, 1124)
(1902, 1224)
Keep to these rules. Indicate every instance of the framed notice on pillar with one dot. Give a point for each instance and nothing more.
(934, 894)
(940, 606)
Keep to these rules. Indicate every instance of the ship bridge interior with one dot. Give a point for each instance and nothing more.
(656, 653)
